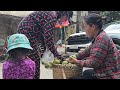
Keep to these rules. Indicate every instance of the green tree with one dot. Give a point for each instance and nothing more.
(109, 16)
(113, 15)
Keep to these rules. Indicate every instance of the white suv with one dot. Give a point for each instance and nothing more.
(77, 41)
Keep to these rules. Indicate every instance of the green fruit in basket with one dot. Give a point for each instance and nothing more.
(56, 61)
(65, 62)
(48, 65)
(51, 62)
(42, 62)
(69, 63)
(72, 56)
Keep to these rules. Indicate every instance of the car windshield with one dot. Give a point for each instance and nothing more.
(112, 27)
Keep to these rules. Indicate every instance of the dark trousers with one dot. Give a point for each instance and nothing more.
(87, 74)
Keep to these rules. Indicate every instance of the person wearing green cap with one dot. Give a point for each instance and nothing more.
(19, 65)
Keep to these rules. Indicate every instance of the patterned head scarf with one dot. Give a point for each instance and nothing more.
(59, 14)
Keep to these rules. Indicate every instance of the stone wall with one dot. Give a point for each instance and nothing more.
(8, 25)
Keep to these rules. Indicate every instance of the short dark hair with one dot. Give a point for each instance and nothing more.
(95, 19)
(13, 53)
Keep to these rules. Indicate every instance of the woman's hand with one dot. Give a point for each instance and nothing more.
(72, 60)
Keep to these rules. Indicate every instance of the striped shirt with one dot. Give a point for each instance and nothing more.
(103, 56)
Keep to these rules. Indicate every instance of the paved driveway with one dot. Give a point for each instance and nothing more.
(45, 73)
(0, 71)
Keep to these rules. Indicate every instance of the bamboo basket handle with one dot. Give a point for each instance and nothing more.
(63, 73)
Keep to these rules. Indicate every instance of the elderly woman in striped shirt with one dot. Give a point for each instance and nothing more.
(102, 55)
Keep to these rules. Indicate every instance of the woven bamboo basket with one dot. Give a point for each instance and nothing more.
(66, 71)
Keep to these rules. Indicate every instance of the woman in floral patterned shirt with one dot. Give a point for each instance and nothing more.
(18, 66)
(38, 27)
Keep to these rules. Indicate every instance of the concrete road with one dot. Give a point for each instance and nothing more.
(45, 73)
(0, 70)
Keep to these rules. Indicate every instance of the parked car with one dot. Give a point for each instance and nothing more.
(77, 41)
(113, 31)
(111, 25)
(80, 40)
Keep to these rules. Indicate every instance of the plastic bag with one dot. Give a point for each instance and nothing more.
(47, 56)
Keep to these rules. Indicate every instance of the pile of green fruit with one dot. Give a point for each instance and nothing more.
(57, 61)
(72, 56)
